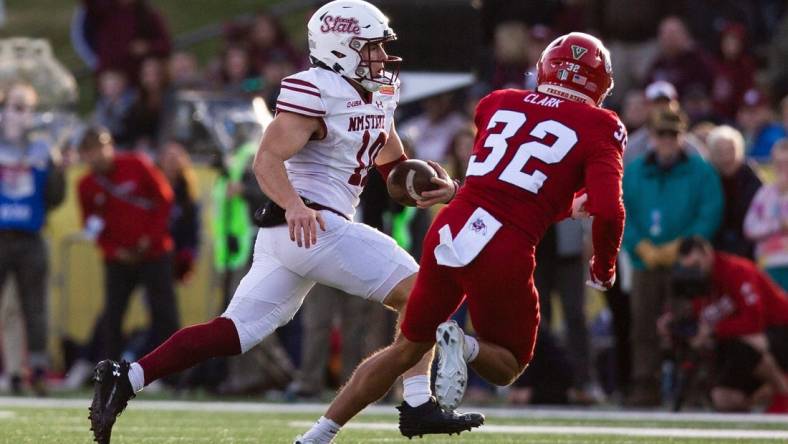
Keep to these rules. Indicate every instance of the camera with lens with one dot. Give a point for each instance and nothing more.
(689, 282)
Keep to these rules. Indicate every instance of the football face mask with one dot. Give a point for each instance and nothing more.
(376, 68)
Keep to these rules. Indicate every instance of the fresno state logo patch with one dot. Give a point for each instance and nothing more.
(478, 226)
(339, 24)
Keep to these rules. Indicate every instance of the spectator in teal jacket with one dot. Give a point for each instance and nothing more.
(668, 194)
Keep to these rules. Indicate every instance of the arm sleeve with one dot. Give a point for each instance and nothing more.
(750, 316)
(301, 96)
(757, 223)
(161, 193)
(709, 214)
(746, 320)
(603, 174)
(385, 169)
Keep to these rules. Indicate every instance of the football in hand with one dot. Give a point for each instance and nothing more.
(409, 179)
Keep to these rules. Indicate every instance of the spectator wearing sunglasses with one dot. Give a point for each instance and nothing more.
(669, 194)
(31, 184)
(659, 95)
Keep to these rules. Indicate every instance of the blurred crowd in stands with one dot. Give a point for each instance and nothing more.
(701, 86)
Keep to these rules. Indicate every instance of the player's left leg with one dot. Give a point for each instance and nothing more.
(436, 300)
(506, 324)
(365, 262)
(504, 309)
(371, 380)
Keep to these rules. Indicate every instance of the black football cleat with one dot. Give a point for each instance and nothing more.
(430, 419)
(111, 392)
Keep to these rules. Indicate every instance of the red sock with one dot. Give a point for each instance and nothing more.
(190, 346)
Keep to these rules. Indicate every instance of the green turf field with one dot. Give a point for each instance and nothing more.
(65, 421)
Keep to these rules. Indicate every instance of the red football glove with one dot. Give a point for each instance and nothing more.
(183, 265)
(601, 283)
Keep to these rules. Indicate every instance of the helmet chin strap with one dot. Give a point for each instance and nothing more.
(370, 85)
(365, 79)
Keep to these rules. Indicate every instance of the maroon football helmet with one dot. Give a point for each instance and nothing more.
(575, 66)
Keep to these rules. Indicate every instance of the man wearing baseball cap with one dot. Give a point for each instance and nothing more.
(668, 194)
(660, 95)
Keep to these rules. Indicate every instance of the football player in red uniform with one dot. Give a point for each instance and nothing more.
(535, 151)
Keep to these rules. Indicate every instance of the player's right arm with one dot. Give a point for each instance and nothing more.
(284, 137)
(604, 171)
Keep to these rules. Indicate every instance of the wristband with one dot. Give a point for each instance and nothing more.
(386, 168)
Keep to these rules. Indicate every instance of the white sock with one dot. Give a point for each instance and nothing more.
(417, 390)
(136, 377)
(471, 349)
(324, 430)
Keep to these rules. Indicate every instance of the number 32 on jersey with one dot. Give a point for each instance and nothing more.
(565, 140)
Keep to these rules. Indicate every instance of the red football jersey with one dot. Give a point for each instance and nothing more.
(533, 152)
(134, 199)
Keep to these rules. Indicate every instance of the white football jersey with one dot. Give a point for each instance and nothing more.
(332, 171)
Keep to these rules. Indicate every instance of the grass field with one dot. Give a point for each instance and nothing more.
(45, 421)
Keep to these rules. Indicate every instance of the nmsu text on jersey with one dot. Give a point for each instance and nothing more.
(361, 123)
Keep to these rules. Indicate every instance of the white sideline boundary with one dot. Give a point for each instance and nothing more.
(493, 412)
(650, 432)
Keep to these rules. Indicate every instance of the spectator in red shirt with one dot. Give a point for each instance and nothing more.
(747, 314)
(126, 206)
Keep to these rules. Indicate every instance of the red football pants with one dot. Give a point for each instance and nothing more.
(502, 300)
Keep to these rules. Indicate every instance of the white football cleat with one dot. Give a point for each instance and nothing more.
(452, 375)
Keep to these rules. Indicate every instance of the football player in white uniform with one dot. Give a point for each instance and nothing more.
(333, 123)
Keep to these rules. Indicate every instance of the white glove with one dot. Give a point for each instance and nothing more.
(94, 225)
(595, 282)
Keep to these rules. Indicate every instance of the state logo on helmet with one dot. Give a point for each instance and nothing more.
(575, 66)
(339, 31)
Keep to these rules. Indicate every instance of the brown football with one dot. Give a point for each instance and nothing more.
(409, 179)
